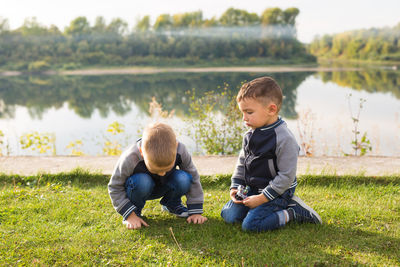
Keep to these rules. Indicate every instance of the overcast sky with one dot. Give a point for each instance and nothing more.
(316, 17)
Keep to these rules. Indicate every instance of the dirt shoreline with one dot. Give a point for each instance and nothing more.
(206, 165)
(153, 70)
(147, 70)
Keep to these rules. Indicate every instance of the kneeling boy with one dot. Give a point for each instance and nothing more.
(267, 164)
(148, 170)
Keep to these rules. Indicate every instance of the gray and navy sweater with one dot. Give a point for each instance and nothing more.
(268, 160)
(131, 162)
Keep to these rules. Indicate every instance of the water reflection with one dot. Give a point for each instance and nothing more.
(371, 80)
(116, 93)
(76, 107)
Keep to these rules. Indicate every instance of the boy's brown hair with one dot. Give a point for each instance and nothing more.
(263, 89)
(159, 143)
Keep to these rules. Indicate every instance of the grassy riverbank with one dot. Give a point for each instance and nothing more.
(163, 62)
(67, 219)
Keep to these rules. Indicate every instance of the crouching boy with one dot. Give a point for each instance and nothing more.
(148, 170)
(267, 164)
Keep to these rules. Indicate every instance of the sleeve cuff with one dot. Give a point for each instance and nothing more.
(235, 183)
(195, 208)
(127, 210)
(270, 193)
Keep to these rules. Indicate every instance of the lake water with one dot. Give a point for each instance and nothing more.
(82, 107)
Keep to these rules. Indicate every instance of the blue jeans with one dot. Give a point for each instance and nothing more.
(141, 187)
(268, 216)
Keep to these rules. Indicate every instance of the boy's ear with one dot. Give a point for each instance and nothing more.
(273, 108)
(140, 150)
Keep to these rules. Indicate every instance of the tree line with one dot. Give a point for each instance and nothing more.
(377, 44)
(186, 37)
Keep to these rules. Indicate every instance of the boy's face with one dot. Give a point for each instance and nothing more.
(257, 114)
(154, 168)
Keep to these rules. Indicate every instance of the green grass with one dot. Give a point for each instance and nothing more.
(67, 219)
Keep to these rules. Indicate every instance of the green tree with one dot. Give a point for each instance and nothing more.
(54, 30)
(100, 25)
(290, 15)
(279, 23)
(83, 47)
(188, 19)
(370, 44)
(4, 25)
(118, 27)
(32, 27)
(238, 17)
(163, 22)
(78, 27)
(272, 16)
(353, 48)
(213, 22)
(143, 25)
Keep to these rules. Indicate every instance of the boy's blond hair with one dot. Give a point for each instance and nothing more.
(263, 89)
(159, 143)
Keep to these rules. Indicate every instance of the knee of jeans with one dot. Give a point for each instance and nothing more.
(141, 182)
(182, 180)
(249, 225)
(229, 217)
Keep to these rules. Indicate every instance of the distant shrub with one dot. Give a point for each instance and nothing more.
(362, 144)
(93, 58)
(390, 57)
(76, 148)
(41, 142)
(71, 66)
(216, 123)
(21, 66)
(38, 66)
(1, 142)
(111, 145)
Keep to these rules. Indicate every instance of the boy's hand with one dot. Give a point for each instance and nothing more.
(255, 201)
(196, 219)
(134, 222)
(233, 198)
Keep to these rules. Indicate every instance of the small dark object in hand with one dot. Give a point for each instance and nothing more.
(242, 192)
